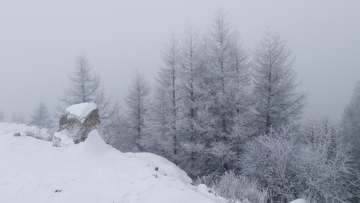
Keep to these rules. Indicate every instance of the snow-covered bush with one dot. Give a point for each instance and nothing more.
(40, 133)
(239, 188)
(318, 170)
(206, 180)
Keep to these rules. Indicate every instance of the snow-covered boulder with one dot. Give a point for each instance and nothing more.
(76, 123)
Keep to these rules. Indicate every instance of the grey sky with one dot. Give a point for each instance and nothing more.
(39, 41)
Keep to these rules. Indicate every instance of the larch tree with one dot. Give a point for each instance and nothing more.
(191, 63)
(41, 117)
(169, 82)
(137, 102)
(116, 130)
(275, 85)
(226, 84)
(221, 47)
(84, 86)
(161, 140)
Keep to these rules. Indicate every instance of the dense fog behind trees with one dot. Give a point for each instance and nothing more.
(227, 116)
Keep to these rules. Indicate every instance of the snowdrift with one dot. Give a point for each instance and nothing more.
(31, 170)
(26, 130)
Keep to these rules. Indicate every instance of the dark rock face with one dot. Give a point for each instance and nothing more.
(17, 135)
(78, 129)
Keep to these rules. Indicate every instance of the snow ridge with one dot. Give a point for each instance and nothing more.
(32, 170)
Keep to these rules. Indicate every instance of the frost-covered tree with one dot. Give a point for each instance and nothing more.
(324, 164)
(168, 84)
(41, 117)
(351, 123)
(161, 141)
(201, 99)
(290, 166)
(116, 130)
(191, 63)
(225, 89)
(277, 100)
(190, 70)
(221, 45)
(84, 86)
(137, 102)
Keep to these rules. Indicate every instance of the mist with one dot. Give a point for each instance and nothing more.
(40, 40)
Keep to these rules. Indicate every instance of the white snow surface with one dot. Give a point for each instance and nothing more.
(25, 130)
(31, 170)
(299, 201)
(81, 110)
(65, 139)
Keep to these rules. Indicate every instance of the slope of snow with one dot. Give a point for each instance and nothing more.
(32, 170)
(25, 130)
(299, 201)
(81, 110)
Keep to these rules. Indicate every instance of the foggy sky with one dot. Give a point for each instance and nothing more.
(40, 39)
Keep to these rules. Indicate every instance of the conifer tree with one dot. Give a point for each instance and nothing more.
(41, 117)
(277, 100)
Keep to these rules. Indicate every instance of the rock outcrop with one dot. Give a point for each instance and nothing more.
(76, 123)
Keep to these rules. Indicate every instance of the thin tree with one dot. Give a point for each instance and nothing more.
(160, 127)
(168, 78)
(41, 117)
(277, 101)
(189, 94)
(221, 47)
(137, 102)
(190, 65)
(84, 86)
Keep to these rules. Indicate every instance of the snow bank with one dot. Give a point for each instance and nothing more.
(80, 111)
(299, 201)
(163, 166)
(25, 130)
(61, 139)
(91, 171)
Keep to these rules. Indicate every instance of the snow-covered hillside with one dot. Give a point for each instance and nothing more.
(32, 170)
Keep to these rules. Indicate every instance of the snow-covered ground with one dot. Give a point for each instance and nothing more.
(26, 130)
(32, 170)
(299, 201)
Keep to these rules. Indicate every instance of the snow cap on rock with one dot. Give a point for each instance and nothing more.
(80, 111)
